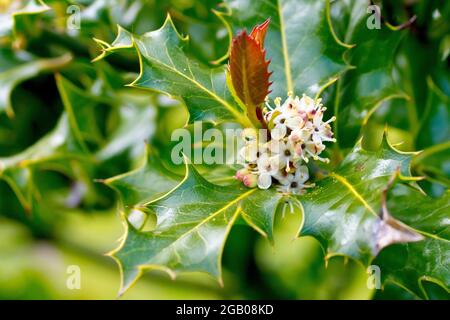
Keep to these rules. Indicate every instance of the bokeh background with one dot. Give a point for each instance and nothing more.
(73, 220)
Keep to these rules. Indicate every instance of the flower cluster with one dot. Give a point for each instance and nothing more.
(277, 156)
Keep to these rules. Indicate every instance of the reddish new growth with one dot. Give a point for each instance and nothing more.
(249, 71)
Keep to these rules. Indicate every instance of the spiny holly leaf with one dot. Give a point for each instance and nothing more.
(166, 68)
(259, 32)
(435, 128)
(123, 41)
(11, 10)
(52, 152)
(193, 222)
(363, 89)
(343, 211)
(46, 180)
(80, 107)
(18, 67)
(411, 265)
(65, 150)
(305, 55)
(147, 182)
(136, 124)
(130, 116)
(249, 71)
(433, 137)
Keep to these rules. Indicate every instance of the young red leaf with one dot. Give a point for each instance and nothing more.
(259, 32)
(249, 71)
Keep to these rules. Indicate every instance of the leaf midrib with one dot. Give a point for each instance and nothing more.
(229, 107)
(357, 195)
(213, 215)
(287, 63)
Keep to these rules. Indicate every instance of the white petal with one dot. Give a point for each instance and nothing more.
(264, 181)
(278, 132)
(302, 174)
(294, 122)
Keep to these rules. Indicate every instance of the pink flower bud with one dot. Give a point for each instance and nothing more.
(241, 174)
(250, 180)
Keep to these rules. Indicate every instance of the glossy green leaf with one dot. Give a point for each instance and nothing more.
(123, 41)
(10, 10)
(434, 136)
(411, 265)
(147, 182)
(18, 67)
(53, 152)
(166, 68)
(363, 89)
(305, 54)
(344, 210)
(193, 221)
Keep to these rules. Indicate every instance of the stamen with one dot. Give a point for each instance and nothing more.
(308, 133)
(333, 118)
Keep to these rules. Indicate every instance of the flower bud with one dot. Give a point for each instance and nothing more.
(250, 180)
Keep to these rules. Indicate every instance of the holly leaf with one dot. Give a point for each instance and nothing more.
(18, 67)
(136, 124)
(54, 152)
(435, 128)
(305, 54)
(362, 90)
(147, 182)
(166, 68)
(249, 71)
(344, 210)
(411, 265)
(123, 41)
(81, 110)
(349, 214)
(433, 136)
(259, 32)
(193, 222)
(13, 10)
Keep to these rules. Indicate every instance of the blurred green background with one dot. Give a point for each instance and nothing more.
(74, 220)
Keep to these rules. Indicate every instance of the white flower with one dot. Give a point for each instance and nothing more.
(286, 154)
(300, 150)
(295, 183)
(282, 177)
(314, 149)
(249, 135)
(308, 105)
(278, 133)
(297, 134)
(294, 122)
(322, 130)
(290, 106)
(267, 167)
(249, 153)
(280, 128)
